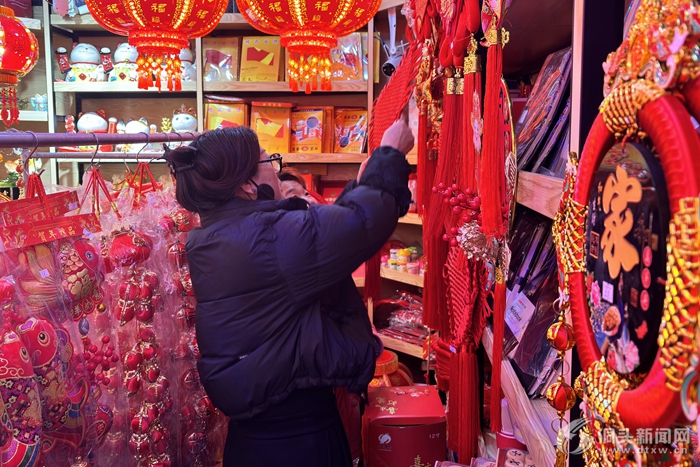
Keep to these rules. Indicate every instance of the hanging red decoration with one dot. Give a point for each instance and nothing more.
(159, 29)
(309, 29)
(19, 51)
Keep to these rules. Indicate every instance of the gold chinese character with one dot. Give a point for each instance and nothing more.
(62, 231)
(620, 190)
(35, 217)
(276, 7)
(380, 400)
(42, 236)
(155, 19)
(316, 18)
(279, 19)
(191, 23)
(120, 20)
(202, 13)
(322, 6)
(158, 7)
(113, 8)
(359, 12)
(71, 230)
(52, 234)
(347, 23)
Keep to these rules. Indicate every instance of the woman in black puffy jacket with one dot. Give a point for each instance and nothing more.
(279, 319)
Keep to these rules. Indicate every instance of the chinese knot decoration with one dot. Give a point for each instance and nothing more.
(19, 51)
(309, 29)
(158, 29)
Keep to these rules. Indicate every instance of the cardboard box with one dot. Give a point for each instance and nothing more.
(308, 129)
(328, 125)
(231, 112)
(350, 130)
(404, 426)
(261, 59)
(271, 122)
(221, 58)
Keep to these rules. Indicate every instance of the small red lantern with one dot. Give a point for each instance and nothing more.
(19, 51)
(159, 29)
(309, 29)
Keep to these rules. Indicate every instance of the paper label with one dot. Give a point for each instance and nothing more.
(518, 315)
(608, 292)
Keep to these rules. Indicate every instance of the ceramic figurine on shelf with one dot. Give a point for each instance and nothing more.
(166, 126)
(40, 102)
(134, 127)
(86, 64)
(189, 71)
(125, 66)
(184, 121)
(70, 124)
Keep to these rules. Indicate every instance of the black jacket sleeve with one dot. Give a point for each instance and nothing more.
(319, 247)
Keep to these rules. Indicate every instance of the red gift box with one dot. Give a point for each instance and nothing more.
(404, 426)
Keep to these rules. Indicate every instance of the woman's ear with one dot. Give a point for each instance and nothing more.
(249, 190)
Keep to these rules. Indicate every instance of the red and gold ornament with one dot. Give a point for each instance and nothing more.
(309, 30)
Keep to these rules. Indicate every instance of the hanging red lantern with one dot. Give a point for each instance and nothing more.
(158, 29)
(19, 51)
(309, 29)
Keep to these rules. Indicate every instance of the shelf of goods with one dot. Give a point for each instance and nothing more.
(88, 23)
(534, 418)
(278, 86)
(403, 277)
(112, 87)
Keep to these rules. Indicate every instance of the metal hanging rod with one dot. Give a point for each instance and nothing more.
(88, 155)
(28, 139)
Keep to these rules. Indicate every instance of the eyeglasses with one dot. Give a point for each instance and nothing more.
(275, 160)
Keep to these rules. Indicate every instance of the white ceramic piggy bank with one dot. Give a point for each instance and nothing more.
(85, 64)
(92, 122)
(125, 63)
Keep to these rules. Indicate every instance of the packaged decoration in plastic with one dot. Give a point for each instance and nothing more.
(225, 112)
(350, 130)
(328, 124)
(221, 58)
(308, 131)
(347, 58)
(261, 59)
(271, 122)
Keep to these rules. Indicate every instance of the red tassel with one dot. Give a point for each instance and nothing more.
(491, 177)
(499, 319)
(373, 281)
(423, 186)
(454, 404)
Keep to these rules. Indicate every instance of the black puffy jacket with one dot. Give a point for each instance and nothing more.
(277, 307)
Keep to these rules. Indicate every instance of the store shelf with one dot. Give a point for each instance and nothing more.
(359, 281)
(233, 21)
(528, 414)
(33, 116)
(539, 192)
(411, 218)
(324, 158)
(401, 346)
(114, 87)
(386, 4)
(31, 23)
(278, 86)
(404, 277)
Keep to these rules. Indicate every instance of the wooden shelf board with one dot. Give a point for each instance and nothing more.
(76, 23)
(401, 346)
(386, 4)
(404, 277)
(359, 281)
(411, 218)
(527, 415)
(114, 87)
(324, 158)
(33, 116)
(233, 21)
(278, 86)
(539, 192)
(31, 23)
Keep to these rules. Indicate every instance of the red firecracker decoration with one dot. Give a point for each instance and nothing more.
(309, 30)
(19, 51)
(159, 30)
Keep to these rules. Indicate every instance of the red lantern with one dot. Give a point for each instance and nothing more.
(19, 51)
(159, 29)
(309, 29)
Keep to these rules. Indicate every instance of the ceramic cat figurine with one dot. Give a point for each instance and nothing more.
(85, 64)
(125, 66)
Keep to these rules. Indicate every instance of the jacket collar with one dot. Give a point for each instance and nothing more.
(239, 207)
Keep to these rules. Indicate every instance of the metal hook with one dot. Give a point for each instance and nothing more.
(148, 141)
(179, 135)
(94, 153)
(26, 161)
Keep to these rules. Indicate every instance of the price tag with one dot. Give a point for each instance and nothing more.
(518, 315)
